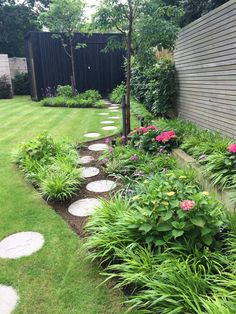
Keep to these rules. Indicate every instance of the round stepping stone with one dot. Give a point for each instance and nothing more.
(21, 244)
(115, 105)
(89, 172)
(103, 113)
(92, 134)
(113, 108)
(107, 122)
(98, 147)
(115, 118)
(109, 128)
(84, 207)
(101, 186)
(8, 299)
(86, 159)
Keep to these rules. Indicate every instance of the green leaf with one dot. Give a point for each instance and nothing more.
(145, 227)
(178, 225)
(164, 226)
(205, 231)
(159, 242)
(208, 239)
(198, 221)
(177, 233)
(167, 216)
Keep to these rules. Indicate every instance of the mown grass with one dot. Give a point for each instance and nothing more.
(57, 279)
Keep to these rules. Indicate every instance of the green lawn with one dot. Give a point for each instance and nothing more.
(57, 279)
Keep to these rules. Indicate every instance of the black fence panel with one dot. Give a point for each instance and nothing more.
(49, 65)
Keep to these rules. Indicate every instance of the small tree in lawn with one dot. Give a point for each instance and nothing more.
(66, 17)
(135, 19)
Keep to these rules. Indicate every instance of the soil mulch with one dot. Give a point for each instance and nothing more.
(78, 223)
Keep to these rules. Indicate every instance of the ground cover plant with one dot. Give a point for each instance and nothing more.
(65, 97)
(164, 239)
(58, 278)
(52, 167)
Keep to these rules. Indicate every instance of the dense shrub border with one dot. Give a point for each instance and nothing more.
(164, 237)
(51, 167)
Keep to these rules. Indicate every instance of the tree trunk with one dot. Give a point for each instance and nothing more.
(128, 82)
(73, 79)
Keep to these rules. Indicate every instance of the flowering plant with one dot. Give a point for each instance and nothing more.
(172, 207)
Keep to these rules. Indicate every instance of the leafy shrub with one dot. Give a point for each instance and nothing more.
(141, 112)
(21, 85)
(117, 94)
(155, 86)
(64, 91)
(5, 88)
(50, 166)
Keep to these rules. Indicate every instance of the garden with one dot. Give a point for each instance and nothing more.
(113, 203)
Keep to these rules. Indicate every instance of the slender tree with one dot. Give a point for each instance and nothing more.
(135, 19)
(66, 18)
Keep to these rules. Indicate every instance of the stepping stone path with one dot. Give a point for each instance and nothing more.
(103, 113)
(21, 244)
(84, 207)
(8, 299)
(109, 128)
(86, 159)
(89, 172)
(98, 147)
(114, 110)
(92, 134)
(101, 186)
(107, 122)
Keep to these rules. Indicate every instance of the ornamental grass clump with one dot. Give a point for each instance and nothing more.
(52, 167)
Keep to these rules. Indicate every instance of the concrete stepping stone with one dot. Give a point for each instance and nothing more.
(98, 147)
(115, 117)
(84, 207)
(21, 244)
(86, 159)
(103, 113)
(8, 299)
(89, 172)
(101, 186)
(107, 122)
(115, 105)
(109, 128)
(92, 134)
(113, 108)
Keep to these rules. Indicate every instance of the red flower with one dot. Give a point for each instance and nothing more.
(232, 148)
(166, 136)
(187, 205)
(141, 130)
(152, 127)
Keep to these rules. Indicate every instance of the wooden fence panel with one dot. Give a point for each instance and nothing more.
(205, 59)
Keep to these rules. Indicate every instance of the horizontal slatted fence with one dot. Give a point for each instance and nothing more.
(205, 59)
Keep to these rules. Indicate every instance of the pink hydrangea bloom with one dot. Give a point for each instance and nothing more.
(141, 130)
(152, 127)
(187, 205)
(232, 148)
(166, 136)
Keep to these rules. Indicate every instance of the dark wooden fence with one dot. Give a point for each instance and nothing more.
(49, 65)
(205, 60)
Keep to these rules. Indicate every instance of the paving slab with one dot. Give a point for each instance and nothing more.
(115, 117)
(109, 128)
(101, 186)
(107, 122)
(98, 147)
(89, 172)
(92, 134)
(84, 207)
(103, 114)
(21, 244)
(113, 108)
(8, 299)
(86, 159)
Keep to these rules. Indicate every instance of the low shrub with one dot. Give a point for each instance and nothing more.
(117, 94)
(5, 88)
(21, 85)
(141, 112)
(88, 99)
(50, 166)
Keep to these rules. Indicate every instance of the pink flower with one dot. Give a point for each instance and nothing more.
(166, 136)
(187, 205)
(141, 130)
(107, 140)
(134, 157)
(152, 127)
(232, 148)
(110, 150)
